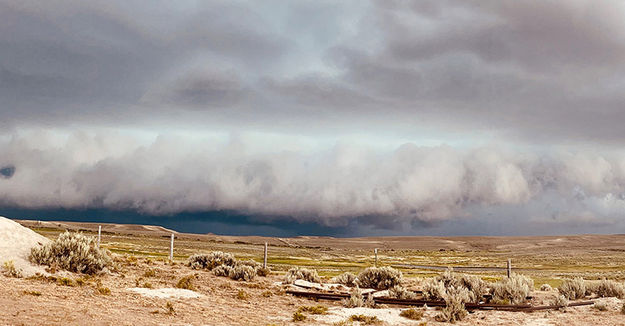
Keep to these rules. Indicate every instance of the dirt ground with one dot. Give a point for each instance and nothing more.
(140, 259)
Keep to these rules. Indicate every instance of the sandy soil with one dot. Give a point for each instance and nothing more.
(42, 302)
(15, 244)
(221, 301)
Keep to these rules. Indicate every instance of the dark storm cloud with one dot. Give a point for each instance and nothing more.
(534, 69)
(542, 78)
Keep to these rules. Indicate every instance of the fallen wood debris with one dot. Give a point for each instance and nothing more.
(435, 303)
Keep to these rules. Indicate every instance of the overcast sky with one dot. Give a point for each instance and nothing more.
(388, 117)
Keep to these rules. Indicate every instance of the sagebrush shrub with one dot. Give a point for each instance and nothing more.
(601, 306)
(561, 301)
(263, 271)
(546, 287)
(356, 299)
(573, 289)
(211, 260)
(242, 272)
(379, 278)
(10, 269)
(610, 288)
(300, 273)
(434, 289)
(347, 279)
(513, 289)
(400, 292)
(222, 270)
(455, 298)
(74, 252)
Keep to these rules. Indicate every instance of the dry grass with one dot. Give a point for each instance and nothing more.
(365, 320)
(186, 283)
(412, 313)
(299, 273)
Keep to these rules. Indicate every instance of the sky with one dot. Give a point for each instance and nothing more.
(316, 117)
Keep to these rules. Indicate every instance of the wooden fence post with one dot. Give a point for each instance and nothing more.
(171, 248)
(509, 267)
(265, 257)
(99, 235)
(376, 257)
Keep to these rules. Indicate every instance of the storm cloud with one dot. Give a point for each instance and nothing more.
(385, 112)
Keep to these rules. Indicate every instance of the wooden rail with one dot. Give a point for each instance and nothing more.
(435, 303)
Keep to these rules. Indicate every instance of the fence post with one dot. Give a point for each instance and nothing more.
(265, 257)
(509, 267)
(171, 248)
(376, 257)
(99, 235)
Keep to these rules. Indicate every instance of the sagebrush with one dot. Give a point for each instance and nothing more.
(242, 272)
(400, 292)
(357, 299)
(211, 260)
(455, 298)
(72, 251)
(300, 273)
(435, 288)
(381, 278)
(513, 289)
(347, 279)
(573, 289)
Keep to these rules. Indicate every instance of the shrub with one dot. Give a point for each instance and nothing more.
(454, 310)
(242, 295)
(513, 289)
(434, 289)
(242, 272)
(263, 271)
(546, 287)
(251, 263)
(212, 260)
(400, 292)
(356, 299)
(64, 281)
(573, 289)
(74, 252)
(365, 320)
(186, 283)
(33, 293)
(10, 270)
(222, 270)
(298, 316)
(103, 290)
(601, 306)
(379, 278)
(315, 310)
(623, 308)
(299, 273)
(412, 313)
(610, 288)
(561, 301)
(149, 273)
(347, 279)
(169, 307)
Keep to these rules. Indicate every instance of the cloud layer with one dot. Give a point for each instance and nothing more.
(384, 112)
(330, 186)
(531, 71)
